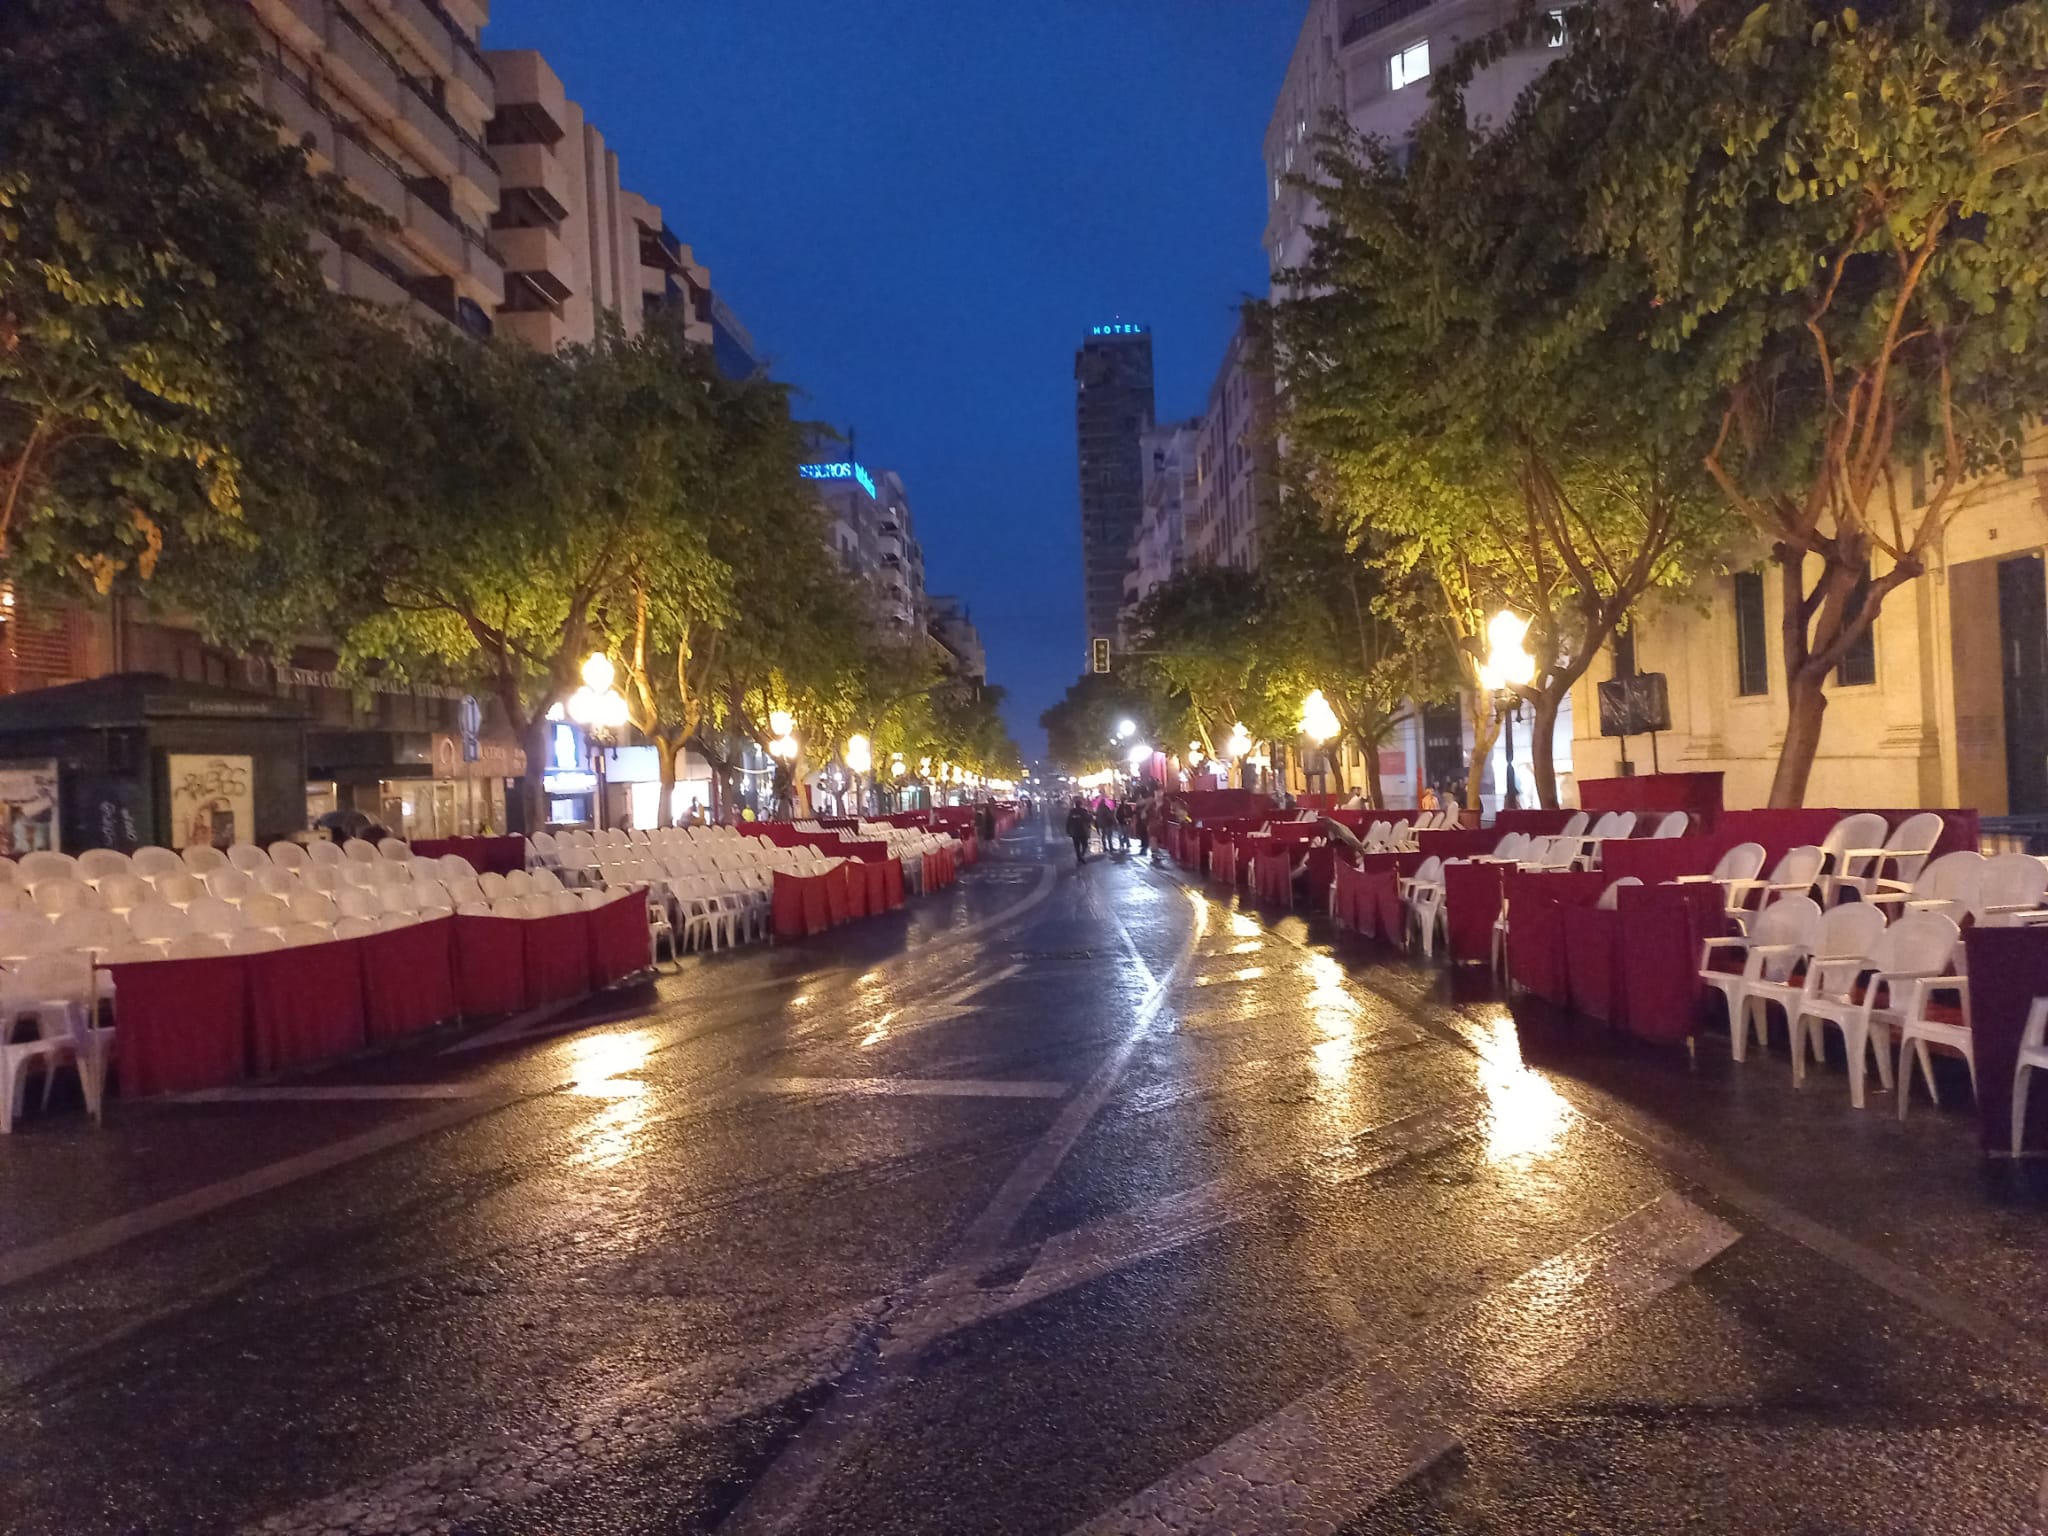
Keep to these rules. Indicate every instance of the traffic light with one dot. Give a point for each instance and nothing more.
(1098, 654)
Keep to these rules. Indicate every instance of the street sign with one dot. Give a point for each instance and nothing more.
(1098, 654)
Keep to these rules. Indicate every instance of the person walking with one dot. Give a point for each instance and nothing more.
(1077, 829)
(1105, 823)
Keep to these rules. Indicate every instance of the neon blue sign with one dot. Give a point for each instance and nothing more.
(1117, 330)
(841, 471)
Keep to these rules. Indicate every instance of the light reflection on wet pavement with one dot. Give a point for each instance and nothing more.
(1075, 1199)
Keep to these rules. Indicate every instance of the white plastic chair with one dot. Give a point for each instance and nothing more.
(324, 851)
(1422, 898)
(57, 991)
(36, 868)
(1610, 899)
(1924, 946)
(281, 883)
(355, 927)
(1574, 825)
(1777, 941)
(96, 864)
(196, 946)
(53, 898)
(358, 901)
(298, 935)
(1843, 991)
(394, 848)
(1674, 824)
(209, 914)
(154, 864)
(2033, 1057)
(88, 929)
(271, 913)
(359, 851)
(325, 878)
(179, 890)
(203, 859)
(1795, 874)
(1735, 872)
(253, 941)
(492, 884)
(248, 858)
(23, 934)
(1862, 833)
(463, 890)
(288, 855)
(16, 898)
(2009, 891)
(519, 883)
(314, 907)
(1905, 851)
(230, 885)
(1952, 884)
(158, 923)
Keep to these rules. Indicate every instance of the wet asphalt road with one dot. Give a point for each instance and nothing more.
(1068, 1201)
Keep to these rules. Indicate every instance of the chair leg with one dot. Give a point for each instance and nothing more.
(2020, 1078)
(1739, 1007)
(1906, 1060)
(1856, 1046)
(1927, 1071)
(1881, 1046)
(1799, 1027)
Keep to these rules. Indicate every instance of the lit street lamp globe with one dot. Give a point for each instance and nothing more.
(859, 754)
(1318, 721)
(1240, 741)
(1126, 729)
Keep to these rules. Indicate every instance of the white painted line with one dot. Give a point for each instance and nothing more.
(70, 1247)
(912, 1087)
(311, 1093)
(1312, 1467)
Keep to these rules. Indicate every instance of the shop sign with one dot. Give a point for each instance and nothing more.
(308, 677)
(28, 808)
(494, 757)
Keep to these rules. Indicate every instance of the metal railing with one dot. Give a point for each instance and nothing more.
(463, 136)
(1365, 23)
(462, 39)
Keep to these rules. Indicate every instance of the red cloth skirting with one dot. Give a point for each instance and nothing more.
(305, 1004)
(1471, 908)
(1536, 955)
(486, 855)
(892, 879)
(619, 938)
(835, 894)
(1460, 844)
(1658, 954)
(490, 964)
(1532, 823)
(1653, 860)
(1223, 863)
(800, 906)
(1390, 917)
(876, 878)
(1591, 965)
(856, 873)
(2008, 970)
(408, 978)
(1274, 876)
(557, 957)
(183, 1024)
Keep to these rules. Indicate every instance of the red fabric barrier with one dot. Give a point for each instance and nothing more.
(618, 936)
(1592, 970)
(1462, 844)
(1212, 804)
(1696, 793)
(486, 855)
(892, 878)
(490, 965)
(2008, 970)
(1662, 929)
(1390, 918)
(1274, 873)
(1471, 908)
(856, 873)
(183, 1024)
(1653, 860)
(1223, 863)
(305, 1005)
(1536, 823)
(557, 957)
(1536, 958)
(408, 978)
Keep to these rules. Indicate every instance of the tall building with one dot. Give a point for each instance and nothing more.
(1159, 552)
(1112, 411)
(871, 532)
(394, 100)
(1369, 62)
(1235, 484)
(953, 627)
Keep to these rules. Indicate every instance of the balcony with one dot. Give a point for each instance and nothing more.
(540, 258)
(291, 101)
(438, 38)
(541, 329)
(373, 174)
(361, 67)
(532, 106)
(539, 178)
(1378, 18)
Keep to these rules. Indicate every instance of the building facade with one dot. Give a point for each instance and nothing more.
(1159, 552)
(1235, 479)
(953, 627)
(1113, 409)
(870, 531)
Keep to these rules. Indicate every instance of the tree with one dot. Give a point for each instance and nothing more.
(1840, 220)
(154, 265)
(1198, 647)
(1468, 390)
(1339, 625)
(1081, 730)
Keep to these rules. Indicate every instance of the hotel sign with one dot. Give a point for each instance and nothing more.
(841, 471)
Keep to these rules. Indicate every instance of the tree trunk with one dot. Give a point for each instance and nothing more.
(1485, 728)
(533, 799)
(1333, 759)
(1806, 709)
(666, 753)
(1543, 749)
(1374, 791)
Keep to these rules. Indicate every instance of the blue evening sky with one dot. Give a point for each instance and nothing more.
(919, 206)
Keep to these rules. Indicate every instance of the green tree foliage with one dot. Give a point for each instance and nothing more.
(1840, 222)
(1472, 399)
(1201, 648)
(154, 266)
(1081, 730)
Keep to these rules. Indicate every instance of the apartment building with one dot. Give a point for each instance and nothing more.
(393, 96)
(1230, 515)
(953, 627)
(1113, 409)
(1368, 63)
(871, 532)
(1159, 551)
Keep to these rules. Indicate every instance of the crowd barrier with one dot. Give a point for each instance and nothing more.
(187, 1025)
(486, 855)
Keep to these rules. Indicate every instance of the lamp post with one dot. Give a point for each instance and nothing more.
(784, 748)
(860, 757)
(1319, 723)
(1508, 665)
(601, 710)
(1237, 748)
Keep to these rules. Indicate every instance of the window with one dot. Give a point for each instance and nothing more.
(1553, 34)
(1859, 663)
(1409, 65)
(1752, 665)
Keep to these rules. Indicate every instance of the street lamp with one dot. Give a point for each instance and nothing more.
(784, 748)
(860, 757)
(1238, 747)
(1319, 723)
(1507, 665)
(601, 710)
(1126, 729)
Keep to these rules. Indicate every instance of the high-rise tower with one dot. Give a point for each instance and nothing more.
(1112, 411)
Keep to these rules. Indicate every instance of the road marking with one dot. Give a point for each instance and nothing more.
(1312, 1467)
(314, 1093)
(70, 1247)
(912, 1087)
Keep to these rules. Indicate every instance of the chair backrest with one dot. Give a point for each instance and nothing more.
(1853, 928)
(204, 859)
(53, 897)
(321, 877)
(1451, 814)
(96, 864)
(35, 868)
(396, 898)
(1799, 866)
(1745, 861)
(1512, 846)
(394, 848)
(431, 896)
(1957, 876)
(288, 855)
(268, 912)
(248, 858)
(209, 914)
(1920, 941)
(156, 863)
(1913, 840)
(1430, 871)
(158, 922)
(277, 882)
(88, 928)
(25, 933)
(354, 927)
(1624, 824)
(358, 901)
(297, 935)
(464, 890)
(544, 844)
(519, 882)
(253, 941)
(547, 880)
(324, 851)
(1604, 827)
(455, 867)
(1673, 824)
(355, 872)
(389, 920)
(1401, 829)
(2012, 880)
(1864, 829)
(314, 907)
(119, 893)
(359, 851)
(492, 884)
(179, 890)
(1574, 825)
(1611, 897)
(16, 898)
(52, 977)
(230, 884)
(196, 946)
